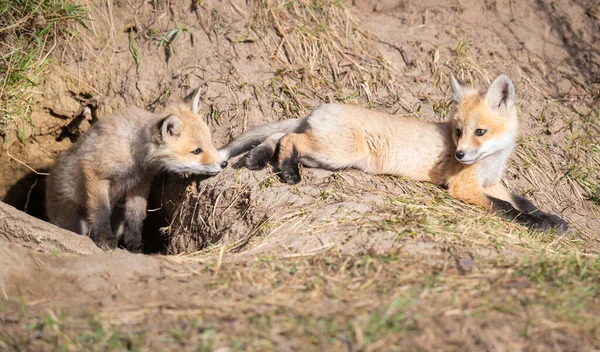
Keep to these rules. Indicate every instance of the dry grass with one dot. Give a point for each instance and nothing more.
(337, 302)
(584, 152)
(29, 31)
(460, 63)
(563, 172)
(463, 65)
(593, 11)
(211, 212)
(319, 52)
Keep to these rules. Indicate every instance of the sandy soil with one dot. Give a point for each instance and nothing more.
(343, 261)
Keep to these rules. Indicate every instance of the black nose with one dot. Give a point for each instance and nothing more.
(459, 155)
(224, 164)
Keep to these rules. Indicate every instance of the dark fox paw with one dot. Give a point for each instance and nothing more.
(106, 242)
(290, 173)
(259, 157)
(549, 222)
(291, 177)
(133, 243)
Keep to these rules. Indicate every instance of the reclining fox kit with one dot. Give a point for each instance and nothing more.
(467, 153)
(116, 161)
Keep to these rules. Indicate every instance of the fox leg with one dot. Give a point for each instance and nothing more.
(260, 156)
(292, 147)
(98, 209)
(508, 206)
(471, 194)
(517, 208)
(136, 202)
(69, 217)
(504, 204)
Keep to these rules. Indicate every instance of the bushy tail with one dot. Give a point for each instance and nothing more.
(255, 136)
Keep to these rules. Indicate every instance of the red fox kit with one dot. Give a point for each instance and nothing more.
(116, 160)
(467, 153)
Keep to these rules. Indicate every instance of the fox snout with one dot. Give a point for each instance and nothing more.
(223, 165)
(467, 157)
(219, 160)
(212, 168)
(189, 163)
(209, 169)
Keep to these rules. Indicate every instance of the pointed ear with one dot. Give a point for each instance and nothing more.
(458, 93)
(170, 127)
(501, 93)
(193, 100)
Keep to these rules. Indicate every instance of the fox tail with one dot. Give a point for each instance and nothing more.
(256, 136)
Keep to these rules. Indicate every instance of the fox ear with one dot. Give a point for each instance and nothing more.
(501, 93)
(170, 127)
(193, 100)
(457, 89)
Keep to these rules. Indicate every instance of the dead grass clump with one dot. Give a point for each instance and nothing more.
(29, 31)
(319, 51)
(217, 209)
(584, 150)
(594, 11)
(461, 64)
(202, 218)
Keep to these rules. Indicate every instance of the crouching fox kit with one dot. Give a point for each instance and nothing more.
(467, 153)
(116, 161)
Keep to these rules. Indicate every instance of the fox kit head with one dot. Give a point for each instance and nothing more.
(484, 125)
(185, 145)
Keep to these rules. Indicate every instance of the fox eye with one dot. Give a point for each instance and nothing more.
(197, 151)
(480, 132)
(458, 132)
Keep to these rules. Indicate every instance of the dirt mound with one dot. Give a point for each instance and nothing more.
(238, 205)
(22, 229)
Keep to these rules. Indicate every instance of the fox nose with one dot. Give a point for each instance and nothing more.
(224, 164)
(460, 155)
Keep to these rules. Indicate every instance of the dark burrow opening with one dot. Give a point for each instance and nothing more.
(28, 195)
